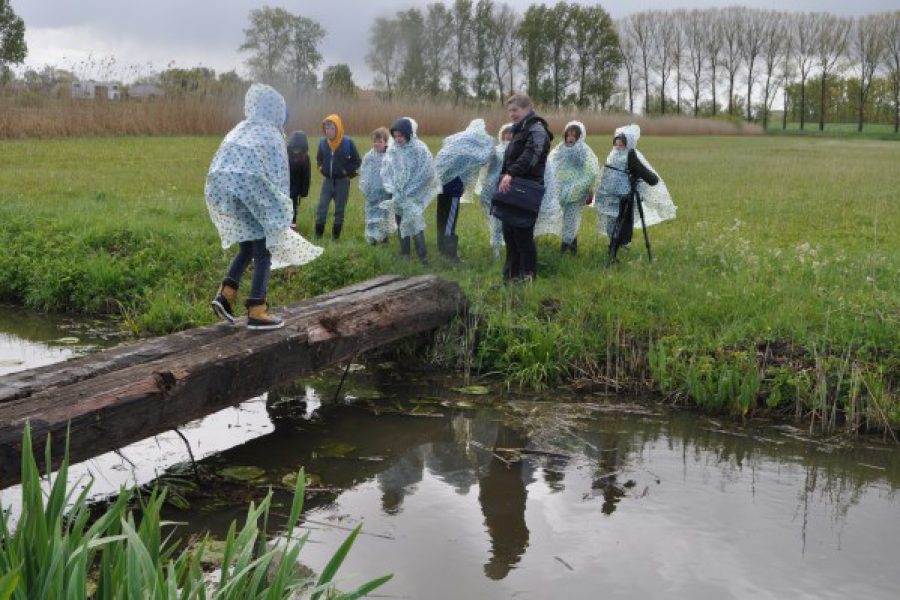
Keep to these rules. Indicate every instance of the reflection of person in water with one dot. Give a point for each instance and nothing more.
(398, 480)
(605, 481)
(502, 495)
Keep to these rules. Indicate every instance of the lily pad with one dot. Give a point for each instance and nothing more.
(242, 473)
(365, 394)
(357, 368)
(67, 340)
(290, 480)
(335, 450)
(474, 390)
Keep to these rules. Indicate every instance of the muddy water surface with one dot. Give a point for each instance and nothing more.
(466, 495)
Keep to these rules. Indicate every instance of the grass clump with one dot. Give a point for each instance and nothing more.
(774, 290)
(58, 549)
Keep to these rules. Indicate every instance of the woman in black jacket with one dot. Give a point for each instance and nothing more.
(525, 158)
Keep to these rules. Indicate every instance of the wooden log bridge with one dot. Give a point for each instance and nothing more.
(113, 398)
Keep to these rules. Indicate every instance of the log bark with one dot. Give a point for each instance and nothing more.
(113, 398)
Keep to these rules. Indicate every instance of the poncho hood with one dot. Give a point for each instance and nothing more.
(339, 126)
(463, 154)
(263, 103)
(582, 136)
(406, 126)
(631, 133)
(298, 141)
(504, 129)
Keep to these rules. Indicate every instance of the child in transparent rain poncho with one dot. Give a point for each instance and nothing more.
(247, 196)
(461, 157)
(572, 171)
(409, 176)
(379, 221)
(487, 185)
(624, 163)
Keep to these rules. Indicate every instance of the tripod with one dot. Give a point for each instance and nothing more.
(625, 223)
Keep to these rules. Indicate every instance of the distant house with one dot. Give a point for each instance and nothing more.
(145, 91)
(97, 90)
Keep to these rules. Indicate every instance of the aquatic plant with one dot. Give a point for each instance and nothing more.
(59, 549)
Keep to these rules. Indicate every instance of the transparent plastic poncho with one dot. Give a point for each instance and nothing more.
(656, 200)
(486, 186)
(463, 155)
(248, 184)
(409, 176)
(380, 222)
(570, 179)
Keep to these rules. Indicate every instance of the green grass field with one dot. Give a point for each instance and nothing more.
(873, 131)
(778, 285)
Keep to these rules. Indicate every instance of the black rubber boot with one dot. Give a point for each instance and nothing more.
(336, 231)
(563, 248)
(421, 249)
(573, 247)
(320, 230)
(405, 247)
(451, 248)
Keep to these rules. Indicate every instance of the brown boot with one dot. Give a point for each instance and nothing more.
(259, 317)
(224, 299)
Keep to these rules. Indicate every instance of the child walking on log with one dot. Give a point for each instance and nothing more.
(247, 196)
(379, 221)
(338, 162)
(409, 176)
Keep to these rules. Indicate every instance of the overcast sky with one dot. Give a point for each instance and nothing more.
(149, 35)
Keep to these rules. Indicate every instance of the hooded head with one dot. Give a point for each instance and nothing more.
(579, 128)
(405, 126)
(298, 142)
(631, 134)
(505, 130)
(263, 103)
(339, 131)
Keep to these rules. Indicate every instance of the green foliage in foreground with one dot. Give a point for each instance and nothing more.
(776, 287)
(59, 550)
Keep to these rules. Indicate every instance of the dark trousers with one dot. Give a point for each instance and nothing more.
(339, 190)
(447, 215)
(262, 263)
(521, 252)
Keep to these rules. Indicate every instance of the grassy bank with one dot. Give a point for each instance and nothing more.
(871, 131)
(776, 288)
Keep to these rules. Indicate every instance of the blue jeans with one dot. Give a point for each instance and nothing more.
(262, 262)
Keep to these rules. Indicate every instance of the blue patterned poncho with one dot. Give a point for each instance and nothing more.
(409, 176)
(488, 180)
(571, 175)
(656, 200)
(379, 221)
(463, 154)
(248, 182)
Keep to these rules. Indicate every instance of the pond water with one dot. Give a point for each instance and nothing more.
(512, 496)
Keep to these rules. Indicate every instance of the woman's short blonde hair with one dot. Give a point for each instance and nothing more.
(520, 99)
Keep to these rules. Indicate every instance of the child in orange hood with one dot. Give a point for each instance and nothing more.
(338, 161)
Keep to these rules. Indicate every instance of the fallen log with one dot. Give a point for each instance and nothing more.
(116, 397)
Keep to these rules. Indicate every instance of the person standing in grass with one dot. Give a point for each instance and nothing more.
(625, 166)
(410, 178)
(525, 158)
(457, 163)
(487, 185)
(572, 172)
(247, 196)
(338, 162)
(298, 161)
(379, 221)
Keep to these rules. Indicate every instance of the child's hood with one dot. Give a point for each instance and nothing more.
(504, 129)
(263, 103)
(298, 141)
(405, 126)
(339, 126)
(632, 134)
(580, 127)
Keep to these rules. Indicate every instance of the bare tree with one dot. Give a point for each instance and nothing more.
(504, 22)
(438, 29)
(385, 54)
(666, 30)
(867, 48)
(831, 46)
(630, 60)
(679, 48)
(462, 39)
(269, 38)
(753, 42)
(713, 49)
(774, 49)
(695, 25)
(806, 32)
(732, 22)
(641, 28)
(892, 46)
